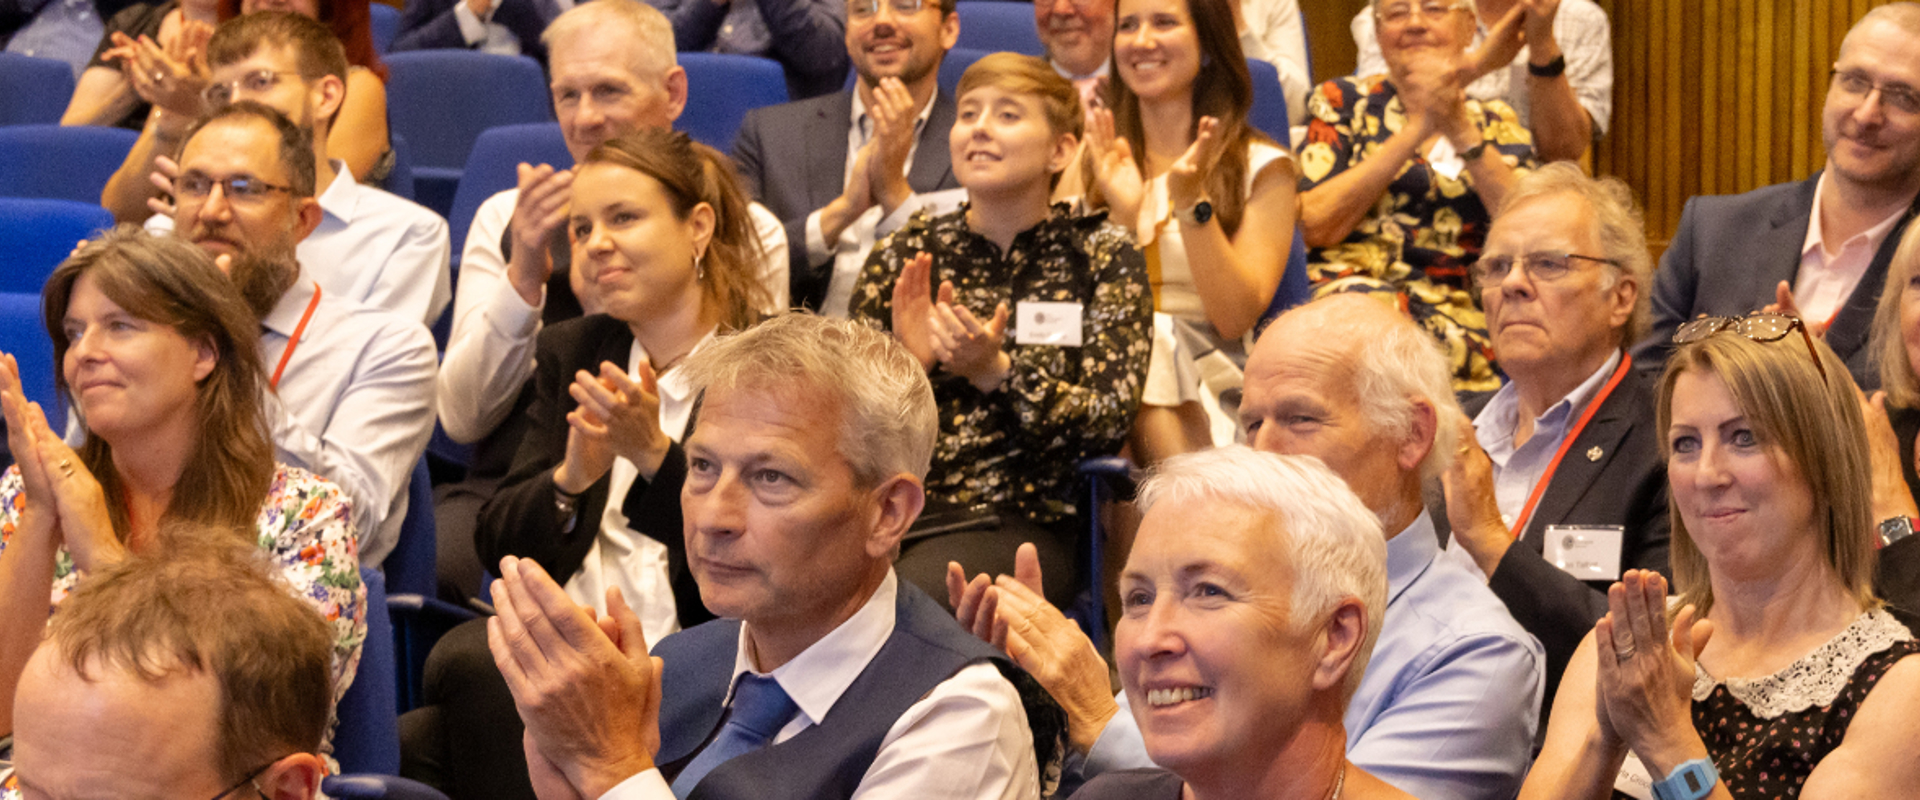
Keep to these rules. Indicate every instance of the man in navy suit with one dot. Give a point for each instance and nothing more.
(1817, 247)
(506, 27)
(832, 167)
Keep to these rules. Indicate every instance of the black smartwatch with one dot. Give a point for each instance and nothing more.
(1553, 69)
(1198, 214)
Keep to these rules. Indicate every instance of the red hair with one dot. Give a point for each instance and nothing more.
(351, 22)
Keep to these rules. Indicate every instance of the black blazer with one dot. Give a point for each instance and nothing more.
(793, 159)
(523, 520)
(430, 25)
(1731, 251)
(1625, 485)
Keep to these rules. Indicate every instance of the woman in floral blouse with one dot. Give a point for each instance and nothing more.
(1399, 171)
(158, 353)
(1037, 339)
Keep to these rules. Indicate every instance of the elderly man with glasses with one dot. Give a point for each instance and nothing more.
(1816, 248)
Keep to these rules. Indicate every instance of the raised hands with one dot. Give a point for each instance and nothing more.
(1783, 304)
(1115, 170)
(165, 170)
(1644, 696)
(1434, 93)
(629, 407)
(913, 309)
(1013, 615)
(1187, 178)
(64, 502)
(538, 212)
(893, 115)
(586, 689)
(1472, 508)
(172, 76)
(968, 347)
(1891, 497)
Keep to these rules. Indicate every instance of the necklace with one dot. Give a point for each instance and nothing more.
(1339, 781)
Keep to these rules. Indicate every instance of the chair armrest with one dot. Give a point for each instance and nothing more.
(377, 787)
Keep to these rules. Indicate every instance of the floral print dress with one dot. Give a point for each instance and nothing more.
(1018, 446)
(1424, 232)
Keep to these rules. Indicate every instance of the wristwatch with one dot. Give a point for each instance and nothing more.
(1198, 214)
(1472, 154)
(1893, 529)
(1691, 780)
(1553, 69)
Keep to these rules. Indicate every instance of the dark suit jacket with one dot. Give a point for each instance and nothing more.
(430, 25)
(793, 159)
(1626, 486)
(522, 518)
(1731, 251)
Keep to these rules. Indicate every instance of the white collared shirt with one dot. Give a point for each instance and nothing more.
(968, 738)
(849, 253)
(621, 556)
(1829, 271)
(1517, 469)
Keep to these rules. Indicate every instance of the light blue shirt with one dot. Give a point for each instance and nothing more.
(1517, 469)
(1448, 704)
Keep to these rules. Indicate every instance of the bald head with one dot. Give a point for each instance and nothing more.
(1905, 16)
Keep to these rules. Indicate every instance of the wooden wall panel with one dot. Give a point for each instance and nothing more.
(1718, 96)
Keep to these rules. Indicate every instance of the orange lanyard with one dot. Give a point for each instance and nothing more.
(298, 331)
(1540, 486)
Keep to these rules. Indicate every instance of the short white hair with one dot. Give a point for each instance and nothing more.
(888, 418)
(1335, 543)
(1394, 367)
(653, 51)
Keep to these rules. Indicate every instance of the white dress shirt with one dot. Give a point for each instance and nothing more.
(482, 33)
(490, 351)
(621, 556)
(1276, 35)
(849, 253)
(355, 405)
(968, 738)
(1829, 271)
(374, 247)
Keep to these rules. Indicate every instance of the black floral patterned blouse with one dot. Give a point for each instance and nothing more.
(1426, 230)
(1017, 446)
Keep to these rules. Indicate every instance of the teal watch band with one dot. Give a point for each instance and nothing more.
(1691, 780)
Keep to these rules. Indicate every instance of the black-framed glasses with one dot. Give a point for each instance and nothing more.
(255, 82)
(239, 189)
(1759, 326)
(1857, 86)
(863, 9)
(248, 781)
(1545, 266)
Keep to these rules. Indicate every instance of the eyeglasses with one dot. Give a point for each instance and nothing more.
(1856, 86)
(1402, 13)
(255, 82)
(239, 189)
(863, 9)
(248, 781)
(1545, 266)
(1758, 326)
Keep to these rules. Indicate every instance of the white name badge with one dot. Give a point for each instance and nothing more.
(1048, 323)
(1633, 780)
(1587, 552)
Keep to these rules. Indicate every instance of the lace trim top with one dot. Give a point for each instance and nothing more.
(1818, 678)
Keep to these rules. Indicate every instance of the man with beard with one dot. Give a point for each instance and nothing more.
(353, 384)
(832, 167)
(1817, 248)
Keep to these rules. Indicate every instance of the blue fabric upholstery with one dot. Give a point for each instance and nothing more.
(410, 567)
(441, 100)
(33, 91)
(492, 168)
(386, 24)
(1269, 112)
(39, 234)
(728, 86)
(992, 26)
(61, 163)
(954, 66)
(25, 338)
(368, 738)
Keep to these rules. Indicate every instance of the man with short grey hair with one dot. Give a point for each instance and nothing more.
(1448, 705)
(1563, 484)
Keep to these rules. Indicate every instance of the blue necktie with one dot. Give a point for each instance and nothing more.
(760, 709)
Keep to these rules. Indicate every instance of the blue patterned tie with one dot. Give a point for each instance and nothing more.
(760, 709)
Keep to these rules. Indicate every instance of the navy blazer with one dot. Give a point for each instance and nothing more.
(430, 25)
(1732, 250)
(793, 159)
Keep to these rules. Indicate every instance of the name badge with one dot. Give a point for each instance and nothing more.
(1633, 780)
(1587, 552)
(1048, 323)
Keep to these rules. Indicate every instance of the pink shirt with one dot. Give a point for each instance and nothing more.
(1829, 271)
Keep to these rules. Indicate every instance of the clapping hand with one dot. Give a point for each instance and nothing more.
(893, 122)
(1116, 171)
(913, 309)
(63, 499)
(538, 213)
(968, 347)
(630, 408)
(1646, 670)
(1187, 178)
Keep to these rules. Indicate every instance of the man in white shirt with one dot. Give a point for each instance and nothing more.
(353, 384)
(370, 246)
(828, 676)
(1560, 82)
(501, 27)
(1819, 247)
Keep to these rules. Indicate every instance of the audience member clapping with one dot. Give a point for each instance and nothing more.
(1252, 599)
(1036, 339)
(1401, 170)
(157, 352)
(143, 45)
(1893, 420)
(1775, 672)
(803, 35)
(1209, 198)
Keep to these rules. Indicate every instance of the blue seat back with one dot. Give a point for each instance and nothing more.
(441, 100)
(400, 179)
(1294, 287)
(61, 163)
(1269, 112)
(728, 86)
(410, 567)
(33, 91)
(368, 738)
(386, 25)
(989, 25)
(954, 66)
(24, 337)
(39, 234)
(493, 168)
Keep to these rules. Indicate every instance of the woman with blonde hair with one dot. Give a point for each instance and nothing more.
(1776, 672)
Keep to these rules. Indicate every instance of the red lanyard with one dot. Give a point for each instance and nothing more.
(1540, 486)
(293, 343)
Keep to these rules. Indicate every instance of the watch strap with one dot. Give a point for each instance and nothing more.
(1691, 780)
(1473, 153)
(1198, 213)
(1893, 529)
(1552, 69)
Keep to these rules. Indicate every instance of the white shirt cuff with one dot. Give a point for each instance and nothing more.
(472, 27)
(649, 785)
(818, 250)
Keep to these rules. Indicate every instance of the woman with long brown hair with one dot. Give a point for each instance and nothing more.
(158, 353)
